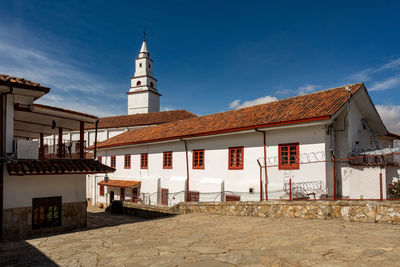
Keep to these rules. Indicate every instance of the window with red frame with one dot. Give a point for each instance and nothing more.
(236, 158)
(144, 160)
(113, 161)
(193, 196)
(127, 161)
(99, 159)
(102, 190)
(289, 156)
(167, 160)
(232, 198)
(198, 159)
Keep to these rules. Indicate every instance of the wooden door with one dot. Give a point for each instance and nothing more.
(111, 197)
(164, 196)
(134, 194)
(122, 196)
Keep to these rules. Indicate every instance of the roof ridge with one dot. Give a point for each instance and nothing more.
(296, 96)
(143, 114)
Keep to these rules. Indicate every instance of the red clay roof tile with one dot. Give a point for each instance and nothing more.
(142, 119)
(120, 183)
(21, 83)
(318, 105)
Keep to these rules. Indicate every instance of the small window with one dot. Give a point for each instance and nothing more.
(151, 84)
(144, 161)
(138, 83)
(127, 161)
(198, 159)
(236, 158)
(232, 198)
(140, 65)
(113, 161)
(149, 66)
(46, 212)
(289, 156)
(101, 190)
(167, 160)
(99, 159)
(193, 196)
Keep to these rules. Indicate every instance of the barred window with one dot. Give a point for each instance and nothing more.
(167, 160)
(198, 159)
(127, 161)
(236, 158)
(289, 156)
(113, 161)
(193, 196)
(46, 212)
(144, 160)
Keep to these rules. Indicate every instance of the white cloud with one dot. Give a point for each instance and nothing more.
(48, 63)
(308, 88)
(236, 104)
(388, 83)
(390, 115)
(167, 108)
(382, 77)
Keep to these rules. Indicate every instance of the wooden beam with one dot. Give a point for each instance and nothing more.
(60, 143)
(41, 146)
(81, 139)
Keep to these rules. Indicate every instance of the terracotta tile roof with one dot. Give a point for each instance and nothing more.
(142, 119)
(120, 183)
(21, 83)
(314, 106)
(55, 166)
(64, 110)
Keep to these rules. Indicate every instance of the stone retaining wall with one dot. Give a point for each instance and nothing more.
(17, 222)
(358, 211)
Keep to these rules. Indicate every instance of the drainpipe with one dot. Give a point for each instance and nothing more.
(265, 163)
(187, 170)
(2, 152)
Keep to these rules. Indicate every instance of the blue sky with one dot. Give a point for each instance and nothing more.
(210, 56)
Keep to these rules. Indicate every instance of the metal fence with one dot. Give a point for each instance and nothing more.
(364, 175)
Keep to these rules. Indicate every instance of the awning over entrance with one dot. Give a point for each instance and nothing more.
(120, 183)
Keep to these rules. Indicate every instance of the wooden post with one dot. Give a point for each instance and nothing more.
(60, 143)
(334, 176)
(290, 188)
(380, 185)
(41, 146)
(261, 186)
(81, 139)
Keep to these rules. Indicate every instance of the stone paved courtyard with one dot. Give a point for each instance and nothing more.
(201, 240)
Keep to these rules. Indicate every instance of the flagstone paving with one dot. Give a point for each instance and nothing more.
(204, 240)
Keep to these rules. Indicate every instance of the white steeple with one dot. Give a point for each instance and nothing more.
(143, 96)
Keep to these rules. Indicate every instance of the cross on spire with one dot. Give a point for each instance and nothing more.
(144, 34)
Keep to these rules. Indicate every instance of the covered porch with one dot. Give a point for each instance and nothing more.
(39, 122)
(124, 190)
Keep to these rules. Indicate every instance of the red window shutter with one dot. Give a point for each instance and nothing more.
(113, 161)
(101, 190)
(167, 160)
(127, 161)
(144, 161)
(236, 158)
(198, 159)
(288, 156)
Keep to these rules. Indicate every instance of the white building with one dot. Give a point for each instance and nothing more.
(251, 153)
(38, 195)
(143, 111)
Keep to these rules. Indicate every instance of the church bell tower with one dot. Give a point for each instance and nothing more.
(143, 96)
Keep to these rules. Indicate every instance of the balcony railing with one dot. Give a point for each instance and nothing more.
(68, 149)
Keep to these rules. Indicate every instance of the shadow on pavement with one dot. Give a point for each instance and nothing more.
(21, 253)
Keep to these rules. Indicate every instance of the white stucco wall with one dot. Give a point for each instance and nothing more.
(19, 190)
(216, 176)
